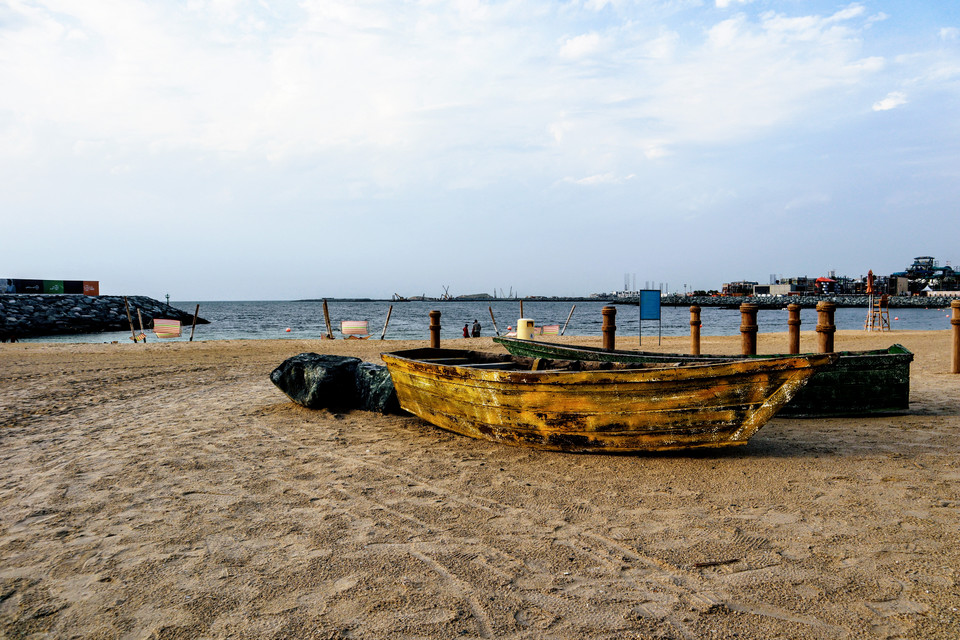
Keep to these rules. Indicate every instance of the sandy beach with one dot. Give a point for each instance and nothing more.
(172, 491)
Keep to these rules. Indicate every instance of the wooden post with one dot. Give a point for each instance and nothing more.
(140, 320)
(825, 326)
(955, 321)
(389, 311)
(493, 320)
(434, 329)
(193, 327)
(609, 328)
(695, 330)
(133, 332)
(521, 310)
(748, 328)
(326, 319)
(562, 331)
(793, 328)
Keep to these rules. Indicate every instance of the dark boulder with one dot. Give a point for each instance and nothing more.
(319, 381)
(375, 390)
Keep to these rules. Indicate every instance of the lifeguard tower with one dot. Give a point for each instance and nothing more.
(878, 309)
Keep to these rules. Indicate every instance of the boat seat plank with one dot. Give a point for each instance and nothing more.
(507, 366)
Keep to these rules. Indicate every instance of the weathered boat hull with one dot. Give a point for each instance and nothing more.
(875, 382)
(621, 409)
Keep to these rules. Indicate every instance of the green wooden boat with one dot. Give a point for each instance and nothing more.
(875, 382)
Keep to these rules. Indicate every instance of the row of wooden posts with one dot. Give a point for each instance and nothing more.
(748, 328)
(826, 328)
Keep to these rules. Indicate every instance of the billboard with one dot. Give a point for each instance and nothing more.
(23, 285)
(53, 286)
(28, 286)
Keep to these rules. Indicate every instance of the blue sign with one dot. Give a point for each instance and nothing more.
(650, 304)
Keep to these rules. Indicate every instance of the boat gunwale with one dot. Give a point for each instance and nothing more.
(896, 350)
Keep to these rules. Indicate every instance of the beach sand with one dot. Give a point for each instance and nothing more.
(171, 491)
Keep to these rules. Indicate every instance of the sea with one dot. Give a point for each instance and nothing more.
(258, 320)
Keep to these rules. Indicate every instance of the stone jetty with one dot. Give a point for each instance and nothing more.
(33, 315)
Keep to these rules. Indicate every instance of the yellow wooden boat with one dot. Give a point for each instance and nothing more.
(589, 406)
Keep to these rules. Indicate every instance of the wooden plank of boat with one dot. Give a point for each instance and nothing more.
(590, 406)
(874, 382)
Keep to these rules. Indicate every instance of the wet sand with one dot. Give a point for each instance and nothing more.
(171, 491)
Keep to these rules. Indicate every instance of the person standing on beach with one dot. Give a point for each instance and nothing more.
(466, 330)
(476, 329)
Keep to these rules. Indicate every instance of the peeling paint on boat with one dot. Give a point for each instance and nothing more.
(608, 407)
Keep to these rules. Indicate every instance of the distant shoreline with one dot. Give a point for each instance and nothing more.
(442, 300)
(676, 300)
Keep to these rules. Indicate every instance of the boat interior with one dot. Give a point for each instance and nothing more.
(483, 360)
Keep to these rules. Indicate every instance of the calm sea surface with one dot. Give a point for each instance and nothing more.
(410, 320)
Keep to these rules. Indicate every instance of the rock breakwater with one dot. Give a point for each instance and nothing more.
(33, 315)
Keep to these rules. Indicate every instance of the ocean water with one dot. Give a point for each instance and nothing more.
(410, 320)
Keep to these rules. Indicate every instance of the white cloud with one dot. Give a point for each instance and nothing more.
(724, 4)
(750, 76)
(950, 34)
(596, 5)
(893, 100)
(599, 179)
(655, 151)
(663, 46)
(580, 46)
(558, 130)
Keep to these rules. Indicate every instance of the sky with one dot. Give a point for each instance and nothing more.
(260, 150)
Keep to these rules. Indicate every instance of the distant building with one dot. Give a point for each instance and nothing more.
(773, 289)
(925, 275)
(927, 272)
(742, 288)
(628, 295)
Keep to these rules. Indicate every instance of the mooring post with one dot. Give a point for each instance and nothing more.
(825, 326)
(748, 328)
(609, 328)
(793, 328)
(695, 330)
(493, 320)
(434, 329)
(955, 321)
(326, 319)
(193, 327)
(133, 332)
(386, 322)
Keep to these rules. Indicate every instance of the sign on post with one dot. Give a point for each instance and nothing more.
(649, 309)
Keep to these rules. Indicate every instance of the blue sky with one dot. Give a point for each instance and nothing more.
(233, 149)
